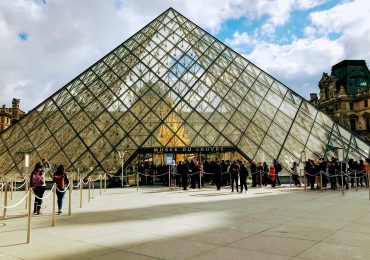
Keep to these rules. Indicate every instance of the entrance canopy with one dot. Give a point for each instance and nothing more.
(172, 85)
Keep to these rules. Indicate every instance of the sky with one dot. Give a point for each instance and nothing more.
(44, 44)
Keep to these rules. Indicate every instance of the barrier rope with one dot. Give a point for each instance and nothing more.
(17, 204)
(15, 187)
(44, 197)
(64, 189)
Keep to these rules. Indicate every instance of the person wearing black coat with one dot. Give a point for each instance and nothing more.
(234, 172)
(243, 177)
(218, 170)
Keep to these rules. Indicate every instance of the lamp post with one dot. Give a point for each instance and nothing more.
(121, 156)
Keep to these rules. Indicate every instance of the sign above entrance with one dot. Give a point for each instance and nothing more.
(188, 149)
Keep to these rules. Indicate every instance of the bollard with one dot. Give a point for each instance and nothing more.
(11, 189)
(80, 193)
(169, 178)
(29, 216)
(105, 182)
(356, 181)
(290, 179)
(88, 197)
(200, 180)
(54, 188)
(341, 175)
(321, 187)
(137, 181)
(93, 189)
(5, 199)
(26, 190)
(101, 183)
(305, 181)
(70, 188)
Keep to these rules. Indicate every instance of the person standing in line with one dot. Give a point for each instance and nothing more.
(367, 171)
(218, 172)
(37, 183)
(184, 169)
(234, 172)
(272, 176)
(265, 173)
(332, 172)
(295, 174)
(243, 177)
(278, 168)
(61, 180)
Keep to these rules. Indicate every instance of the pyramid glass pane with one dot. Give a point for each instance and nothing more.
(172, 85)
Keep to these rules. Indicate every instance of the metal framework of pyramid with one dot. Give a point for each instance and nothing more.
(172, 84)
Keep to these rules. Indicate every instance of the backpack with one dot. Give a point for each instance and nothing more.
(59, 180)
(37, 179)
(278, 167)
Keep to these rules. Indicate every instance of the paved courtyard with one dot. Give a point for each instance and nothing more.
(155, 223)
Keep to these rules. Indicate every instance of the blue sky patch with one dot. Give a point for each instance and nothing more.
(23, 36)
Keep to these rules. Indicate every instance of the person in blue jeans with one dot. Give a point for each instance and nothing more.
(61, 180)
(278, 169)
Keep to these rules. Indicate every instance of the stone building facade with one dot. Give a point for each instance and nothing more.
(9, 116)
(345, 94)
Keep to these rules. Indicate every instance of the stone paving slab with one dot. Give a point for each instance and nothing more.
(158, 223)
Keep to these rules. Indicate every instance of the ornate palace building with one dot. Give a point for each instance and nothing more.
(344, 95)
(8, 116)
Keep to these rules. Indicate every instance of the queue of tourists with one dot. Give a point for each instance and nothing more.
(318, 174)
(226, 173)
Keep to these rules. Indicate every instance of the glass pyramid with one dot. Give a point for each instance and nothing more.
(172, 84)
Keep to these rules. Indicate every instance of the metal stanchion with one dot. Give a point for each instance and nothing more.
(11, 189)
(101, 183)
(169, 177)
(356, 181)
(93, 189)
(105, 182)
(5, 199)
(70, 199)
(305, 180)
(290, 179)
(88, 197)
(54, 188)
(26, 190)
(341, 175)
(81, 183)
(137, 181)
(321, 187)
(29, 216)
(200, 180)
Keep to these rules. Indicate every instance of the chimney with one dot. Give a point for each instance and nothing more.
(313, 97)
(15, 109)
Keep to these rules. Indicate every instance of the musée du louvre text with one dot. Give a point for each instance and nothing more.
(191, 149)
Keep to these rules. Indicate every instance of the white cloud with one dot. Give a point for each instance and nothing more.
(344, 18)
(238, 39)
(66, 37)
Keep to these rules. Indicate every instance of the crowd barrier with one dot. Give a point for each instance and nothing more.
(7, 187)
